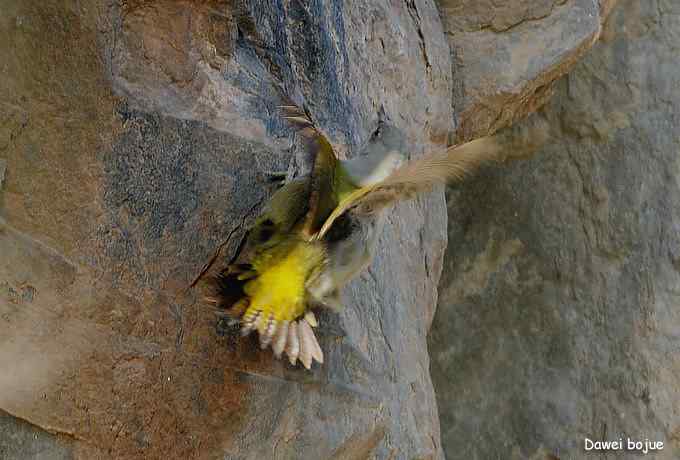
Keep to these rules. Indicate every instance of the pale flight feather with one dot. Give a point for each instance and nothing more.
(417, 176)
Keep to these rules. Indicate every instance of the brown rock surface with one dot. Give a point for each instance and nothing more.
(135, 138)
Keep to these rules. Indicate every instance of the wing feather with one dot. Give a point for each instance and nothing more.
(321, 201)
(418, 176)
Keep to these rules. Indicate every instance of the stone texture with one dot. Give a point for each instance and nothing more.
(134, 141)
(22, 441)
(3, 167)
(558, 316)
(506, 55)
(136, 136)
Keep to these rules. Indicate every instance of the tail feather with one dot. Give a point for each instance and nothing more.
(227, 290)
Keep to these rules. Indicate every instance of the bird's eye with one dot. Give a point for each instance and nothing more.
(265, 234)
(266, 231)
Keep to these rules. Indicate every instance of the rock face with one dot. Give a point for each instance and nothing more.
(20, 441)
(134, 142)
(136, 136)
(558, 314)
(505, 55)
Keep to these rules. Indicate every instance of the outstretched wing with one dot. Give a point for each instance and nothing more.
(301, 205)
(322, 196)
(417, 176)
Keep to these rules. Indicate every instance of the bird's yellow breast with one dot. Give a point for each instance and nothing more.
(279, 289)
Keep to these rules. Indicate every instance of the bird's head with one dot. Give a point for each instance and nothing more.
(379, 158)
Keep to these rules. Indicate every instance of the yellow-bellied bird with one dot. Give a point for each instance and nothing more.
(319, 231)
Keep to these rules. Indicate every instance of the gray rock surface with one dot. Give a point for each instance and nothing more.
(22, 441)
(136, 137)
(506, 55)
(558, 316)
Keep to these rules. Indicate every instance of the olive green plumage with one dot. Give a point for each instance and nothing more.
(319, 231)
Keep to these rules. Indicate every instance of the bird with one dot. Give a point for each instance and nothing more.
(319, 231)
